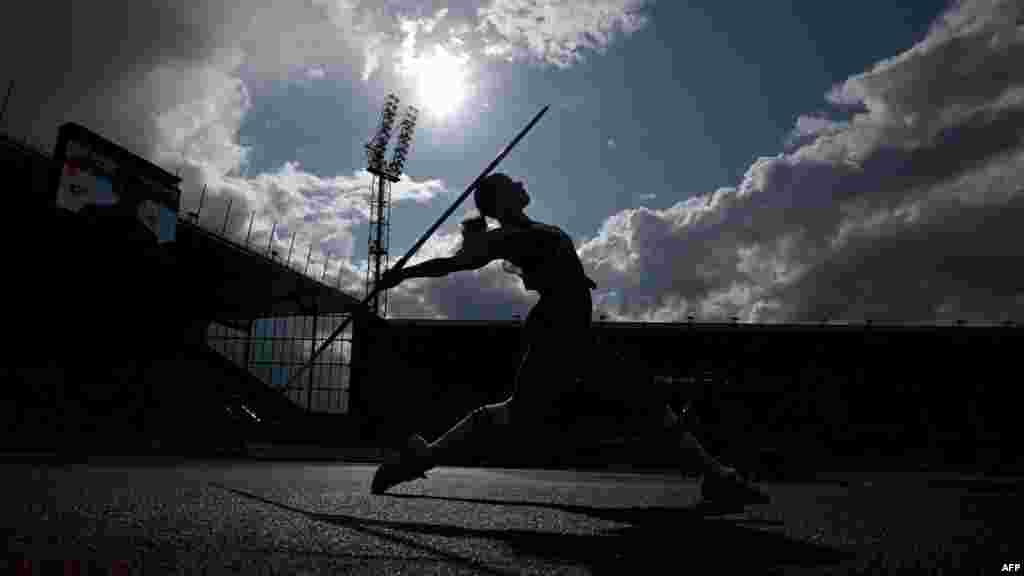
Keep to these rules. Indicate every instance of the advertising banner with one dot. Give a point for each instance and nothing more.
(96, 172)
(86, 179)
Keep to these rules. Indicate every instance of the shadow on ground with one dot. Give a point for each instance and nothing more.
(1000, 486)
(695, 536)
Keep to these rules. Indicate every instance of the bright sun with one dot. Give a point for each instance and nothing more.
(440, 80)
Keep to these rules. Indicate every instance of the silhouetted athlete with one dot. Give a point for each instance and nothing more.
(557, 332)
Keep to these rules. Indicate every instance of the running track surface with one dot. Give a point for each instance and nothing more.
(255, 517)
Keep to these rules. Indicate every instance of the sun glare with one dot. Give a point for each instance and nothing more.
(440, 80)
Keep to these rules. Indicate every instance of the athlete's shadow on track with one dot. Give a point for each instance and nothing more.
(682, 537)
(694, 537)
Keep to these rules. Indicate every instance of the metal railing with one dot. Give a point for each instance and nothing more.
(216, 217)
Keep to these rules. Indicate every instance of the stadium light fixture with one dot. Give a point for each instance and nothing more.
(407, 127)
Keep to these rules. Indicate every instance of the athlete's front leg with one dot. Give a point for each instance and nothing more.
(474, 423)
(418, 456)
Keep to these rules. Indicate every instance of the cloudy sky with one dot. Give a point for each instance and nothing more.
(775, 161)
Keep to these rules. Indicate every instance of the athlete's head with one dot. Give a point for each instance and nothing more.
(500, 197)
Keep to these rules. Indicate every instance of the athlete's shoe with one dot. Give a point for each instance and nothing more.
(731, 488)
(408, 464)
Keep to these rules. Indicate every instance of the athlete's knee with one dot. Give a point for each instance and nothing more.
(499, 414)
(684, 418)
(671, 419)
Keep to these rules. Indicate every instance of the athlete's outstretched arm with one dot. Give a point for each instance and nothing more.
(433, 268)
(468, 259)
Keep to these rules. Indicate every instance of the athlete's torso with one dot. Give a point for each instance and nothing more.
(544, 255)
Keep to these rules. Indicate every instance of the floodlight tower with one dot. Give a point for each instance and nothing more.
(383, 175)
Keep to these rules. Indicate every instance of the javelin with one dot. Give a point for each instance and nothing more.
(412, 251)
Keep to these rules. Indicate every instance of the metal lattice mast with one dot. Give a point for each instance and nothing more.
(382, 176)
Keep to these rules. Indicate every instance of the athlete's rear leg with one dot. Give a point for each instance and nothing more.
(691, 451)
(667, 427)
(719, 482)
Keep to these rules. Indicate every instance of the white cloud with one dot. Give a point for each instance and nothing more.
(282, 39)
(498, 50)
(901, 213)
(201, 128)
(944, 79)
(811, 127)
(370, 55)
(557, 32)
(419, 192)
(320, 210)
